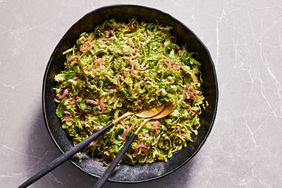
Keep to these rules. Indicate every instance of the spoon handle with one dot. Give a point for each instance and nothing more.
(115, 162)
(62, 158)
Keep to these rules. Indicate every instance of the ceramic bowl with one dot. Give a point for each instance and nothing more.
(131, 173)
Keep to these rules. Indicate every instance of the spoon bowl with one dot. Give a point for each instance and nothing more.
(151, 112)
(167, 109)
(165, 112)
(145, 114)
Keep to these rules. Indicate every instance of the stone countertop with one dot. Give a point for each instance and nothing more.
(244, 148)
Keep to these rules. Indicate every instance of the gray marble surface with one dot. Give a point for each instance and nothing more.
(244, 148)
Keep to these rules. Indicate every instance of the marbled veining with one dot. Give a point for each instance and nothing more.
(244, 148)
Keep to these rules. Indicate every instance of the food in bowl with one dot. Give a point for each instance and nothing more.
(132, 66)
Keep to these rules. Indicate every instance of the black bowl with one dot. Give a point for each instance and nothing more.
(129, 173)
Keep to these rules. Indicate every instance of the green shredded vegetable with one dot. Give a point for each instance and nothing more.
(132, 66)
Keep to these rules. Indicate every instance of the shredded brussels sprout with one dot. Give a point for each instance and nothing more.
(124, 67)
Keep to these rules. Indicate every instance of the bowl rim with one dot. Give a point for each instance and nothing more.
(210, 124)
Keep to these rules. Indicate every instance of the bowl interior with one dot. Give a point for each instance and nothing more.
(129, 173)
